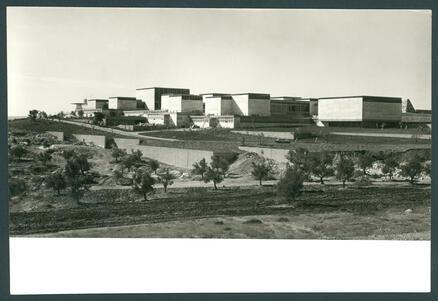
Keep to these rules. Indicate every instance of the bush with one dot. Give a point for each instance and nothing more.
(291, 184)
(16, 186)
(363, 181)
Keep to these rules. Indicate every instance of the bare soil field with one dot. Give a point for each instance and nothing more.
(353, 212)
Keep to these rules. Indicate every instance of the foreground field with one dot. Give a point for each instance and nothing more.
(250, 212)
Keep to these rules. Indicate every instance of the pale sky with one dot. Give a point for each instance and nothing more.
(61, 55)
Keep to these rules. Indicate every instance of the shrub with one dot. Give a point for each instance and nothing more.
(200, 168)
(291, 184)
(166, 179)
(143, 183)
(412, 168)
(56, 181)
(18, 151)
(16, 186)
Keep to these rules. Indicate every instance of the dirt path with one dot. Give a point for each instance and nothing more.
(387, 135)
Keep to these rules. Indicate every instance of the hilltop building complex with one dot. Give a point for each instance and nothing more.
(176, 107)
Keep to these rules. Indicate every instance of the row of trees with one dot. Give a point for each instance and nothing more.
(304, 164)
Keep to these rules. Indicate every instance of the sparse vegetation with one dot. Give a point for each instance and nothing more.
(412, 168)
(200, 168)
(166, 179)
(291, 184)
(263, 170)
(320, 165)
(56, 181)
(143, 183)
(344, 169)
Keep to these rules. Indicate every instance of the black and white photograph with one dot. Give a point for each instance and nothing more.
(219, 124)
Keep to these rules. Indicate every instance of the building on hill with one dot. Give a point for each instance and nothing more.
(248, 104)
(152, 96)
(182, 103)
(219, 105)
(91, 106)
(123, 103)
(293, 106)
(365, 111)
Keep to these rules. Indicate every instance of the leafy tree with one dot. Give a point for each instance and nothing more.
(320, 165)
(365, 160)
(78, 179)
(18, 151)
(262, 170)
(166, 179)
(60, 115)
(215, 175)
(98, 118)
(154, 165)
(73, 113)
(390, 164)
(132, 160)
(220, 163)
(81, 114)
(200, 168)
(42, 115)
(412, 168)
(118, 153)
(56, 181)
(143, 183)
(33, 115)
(344, 169)
(17, 186)
(291, 184)
(44, 157)
(299, 158)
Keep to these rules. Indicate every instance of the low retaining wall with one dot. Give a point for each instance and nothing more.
(281, 135)
(95, 139)
(178, 157)
(126, 143)
(276, 154)
(58, 135)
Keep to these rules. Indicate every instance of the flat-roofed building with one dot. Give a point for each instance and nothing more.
(359, 111)
(219, 105)
(182, 103)
(152, 96)
(293, 106)
(247, 104)
(123, 103)
(91, 106)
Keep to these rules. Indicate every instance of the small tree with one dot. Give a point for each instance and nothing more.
(299, 158)
(18, 151)
(56, 181)
(390, 164)
(412, 168)
(215, 175)
(81, 114)
(220, 163)
(262, 170)
(118, 153)
(42, 115)
(344, 169)
(154, 165)
(320, 165)
(166, 179)
(77, 178)
(365, 160)
(291, 184)
(200, 168)
(33, 114)
(98, 118)
(44, 157)
(143, 183)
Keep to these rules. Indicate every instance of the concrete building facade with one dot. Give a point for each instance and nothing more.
(123, 103)
(359, 110)
(219, 105)
(247, 104)
(152, 96)
(183, 103)
(289, 106)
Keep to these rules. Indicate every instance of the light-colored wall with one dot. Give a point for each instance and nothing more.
(95, 139)
(275, 154)
(340, 109)
(243, 105)
(240, 104)
(227, 122)
(213, 106)
(173, 156)
(148, 97)
(58, 135)
(178, 104)
(385, 111)
(113, 103)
